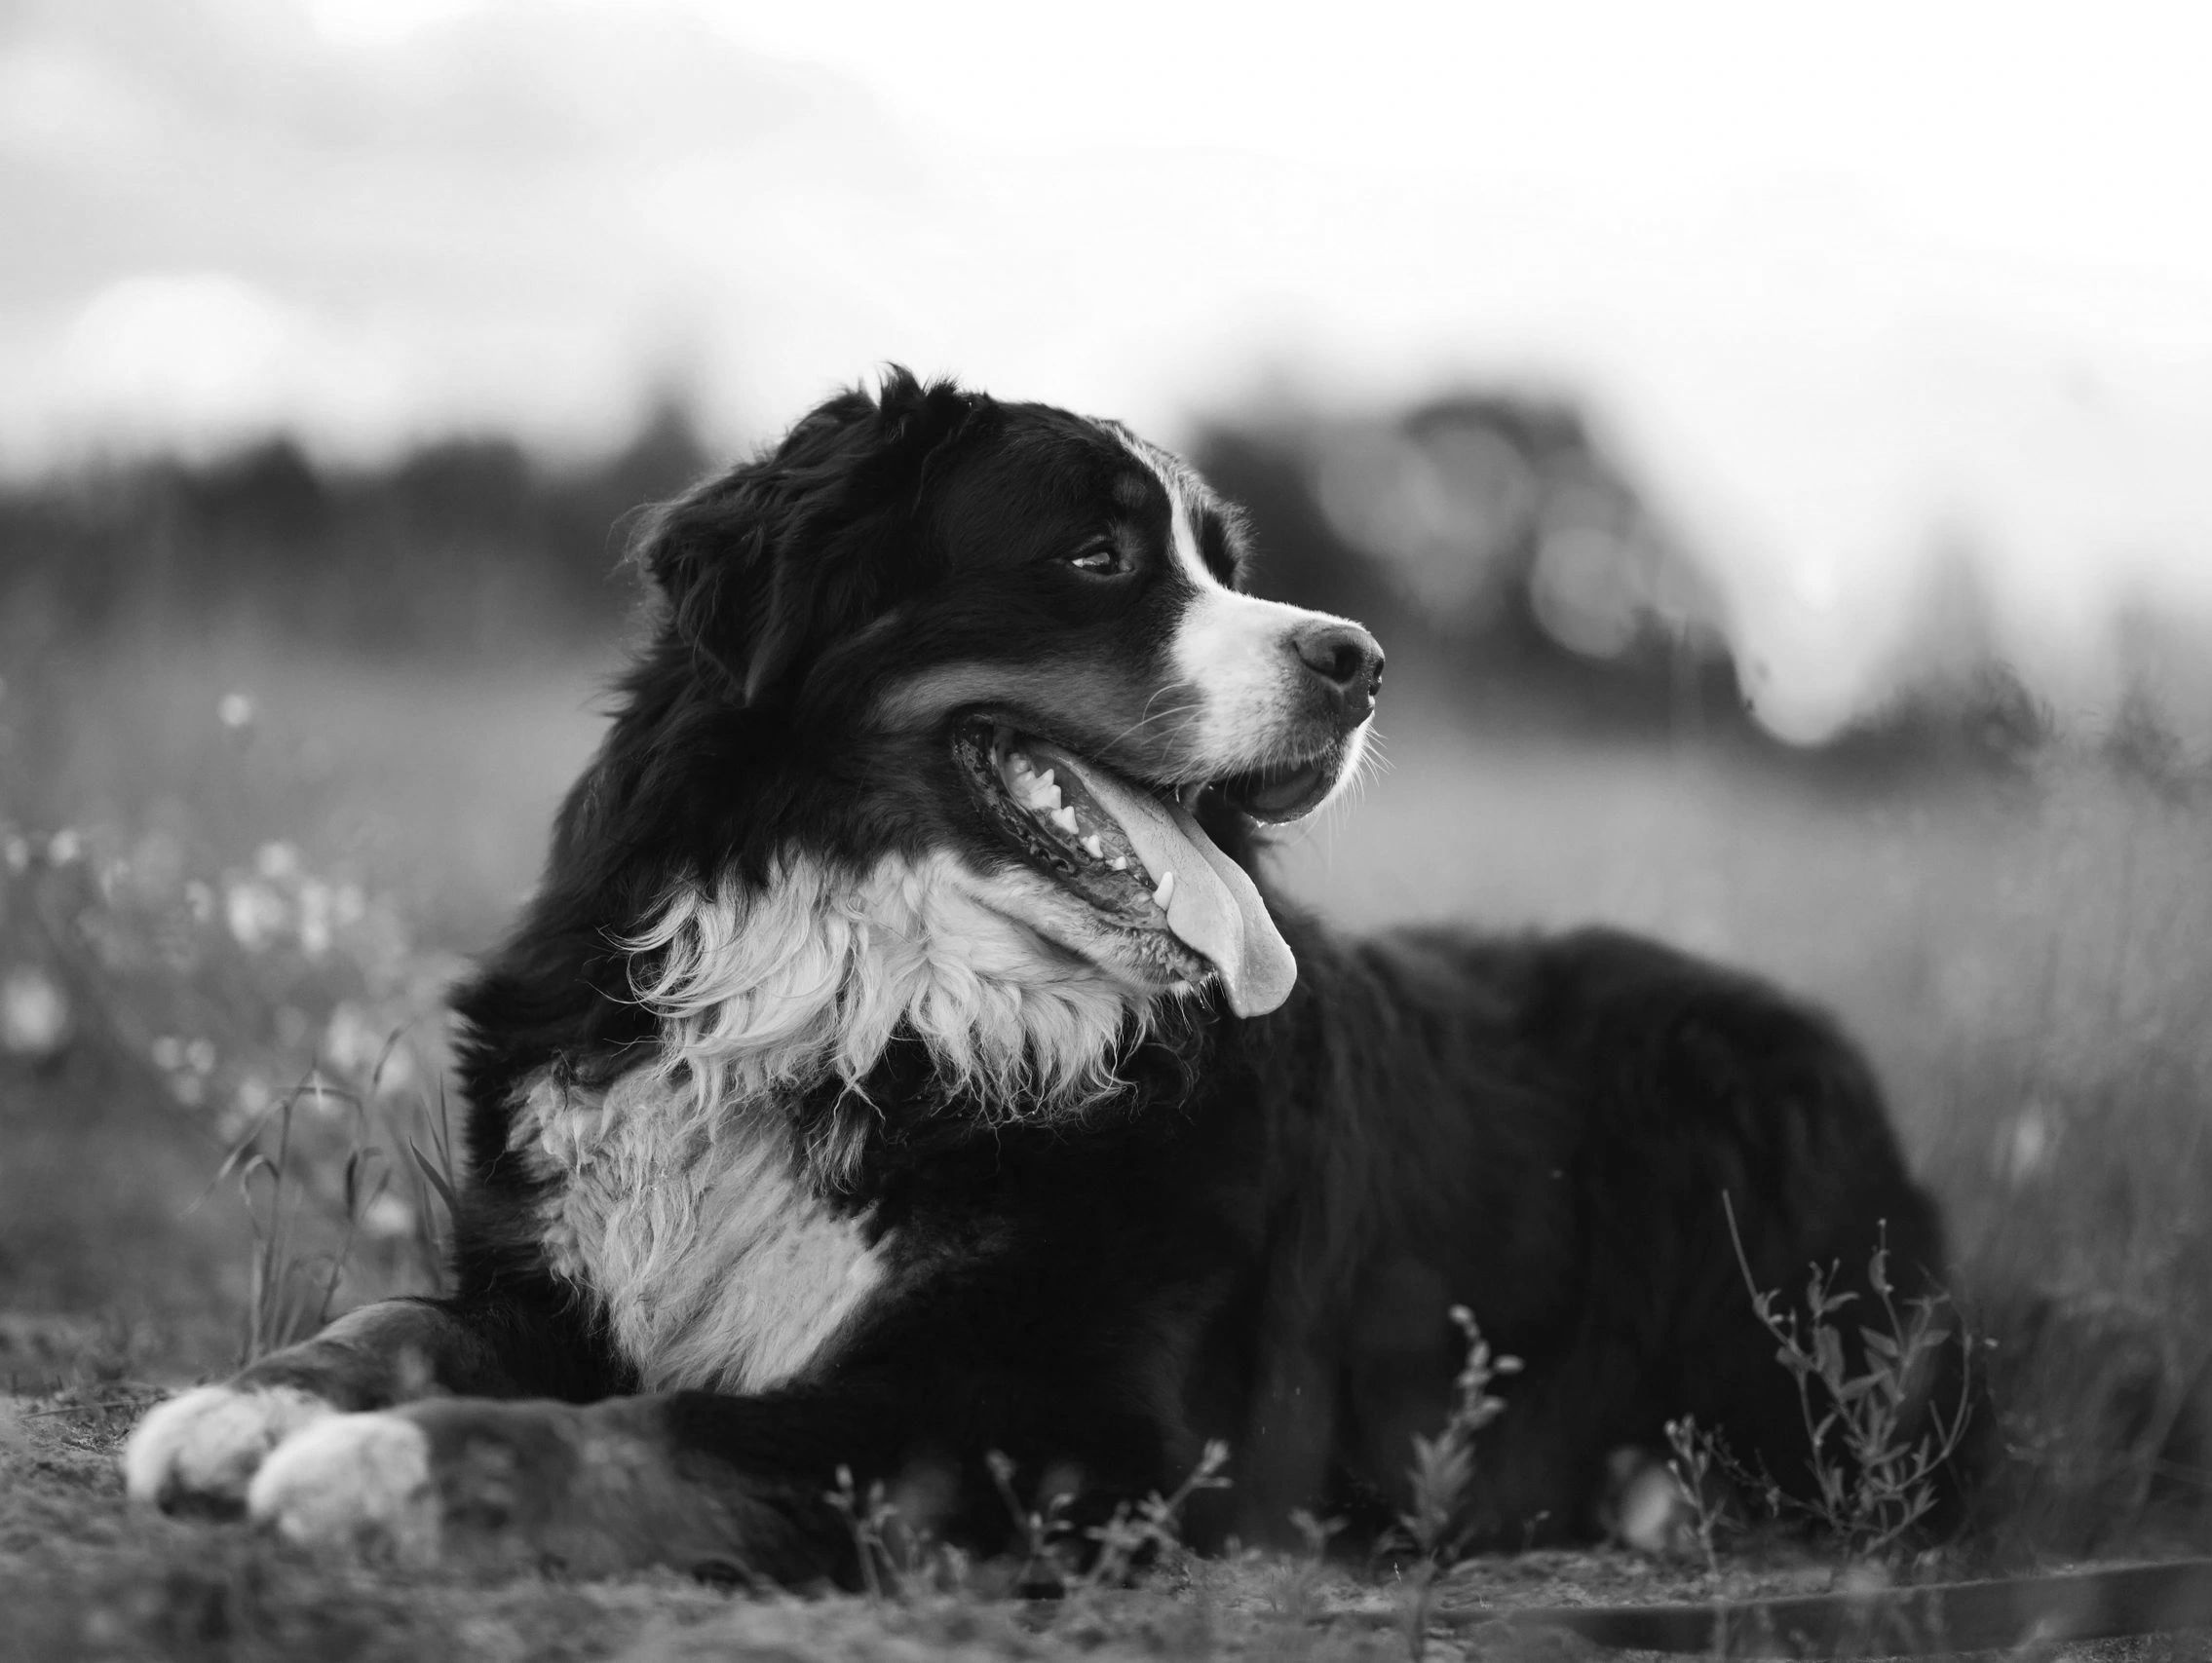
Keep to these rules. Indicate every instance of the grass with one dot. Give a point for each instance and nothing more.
(248, 877)
(1441, 1478)
(1885, 1426)
(247, 911)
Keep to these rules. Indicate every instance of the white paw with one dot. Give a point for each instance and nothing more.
(1646, 1508)
(357, 1481)
(202, 1449)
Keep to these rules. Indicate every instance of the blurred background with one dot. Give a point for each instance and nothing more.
(1770, 443)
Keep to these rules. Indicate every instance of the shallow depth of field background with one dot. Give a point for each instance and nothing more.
(1774, 463)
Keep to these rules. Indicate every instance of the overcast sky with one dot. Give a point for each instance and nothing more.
(1854, 288)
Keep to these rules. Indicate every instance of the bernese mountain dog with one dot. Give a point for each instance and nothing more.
(902, 1071)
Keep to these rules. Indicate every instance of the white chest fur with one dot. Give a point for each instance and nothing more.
(716, 1265)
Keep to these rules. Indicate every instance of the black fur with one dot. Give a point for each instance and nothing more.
(1256, 1238)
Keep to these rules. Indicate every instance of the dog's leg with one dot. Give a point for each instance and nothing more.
(739, 1488)
(198, 1451)
(728, 1486)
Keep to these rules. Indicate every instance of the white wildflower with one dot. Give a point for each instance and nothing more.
(351, 1041)
(35, 1015)
(255, 913)
(387, 1215)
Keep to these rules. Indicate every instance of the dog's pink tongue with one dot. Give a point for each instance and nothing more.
(1214, 909)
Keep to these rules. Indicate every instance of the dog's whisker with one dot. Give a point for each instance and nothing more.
(1146, 720)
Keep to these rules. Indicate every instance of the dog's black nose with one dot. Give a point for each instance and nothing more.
(1345, 659)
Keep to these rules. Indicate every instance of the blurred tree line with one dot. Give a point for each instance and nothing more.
(457, 544)
(1491, 540)
(1487, 532)
(1488, 538)
(1502, 556)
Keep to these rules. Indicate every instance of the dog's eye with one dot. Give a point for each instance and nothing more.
(1100, 559)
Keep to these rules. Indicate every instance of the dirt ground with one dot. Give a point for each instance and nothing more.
(83, 1576)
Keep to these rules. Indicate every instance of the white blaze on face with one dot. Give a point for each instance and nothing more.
(1235, 649)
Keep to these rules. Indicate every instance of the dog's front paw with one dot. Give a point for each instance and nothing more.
(361, 1483)
(199, 1452)
(492, 1485)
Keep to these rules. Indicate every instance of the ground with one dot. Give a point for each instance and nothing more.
(245, 871)
(85, 1577)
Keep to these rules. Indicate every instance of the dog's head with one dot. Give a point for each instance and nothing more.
(1004, 647)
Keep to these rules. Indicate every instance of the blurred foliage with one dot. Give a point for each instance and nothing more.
(1505, 558)
(1499, 549)
(281, 1010)
(1489, 532)
(453, 545)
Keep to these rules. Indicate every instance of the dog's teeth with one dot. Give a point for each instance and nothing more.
(1119, 863)
(1165, 890)
(1094, 847)
(1045, 780)
(1064, 818)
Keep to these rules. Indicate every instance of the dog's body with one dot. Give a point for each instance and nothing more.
(899, 1065)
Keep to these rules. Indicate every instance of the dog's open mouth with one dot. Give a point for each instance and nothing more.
(1139, 857)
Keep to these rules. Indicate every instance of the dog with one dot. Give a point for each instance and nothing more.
(901, 1072)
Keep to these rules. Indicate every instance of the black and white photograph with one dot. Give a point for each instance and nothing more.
(864, 831)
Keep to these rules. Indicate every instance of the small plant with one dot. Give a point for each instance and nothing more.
(1298, 1599)
(871, 1519)
(1442, 1474)
(1316, 1532)
(1443, 1466)
(1040, 1532)
(1154, 1524)
(1698, 1464)
(292, 1286)
(1875, 1478)
(438, 1175)
(1693, 1463)
(1047, 1536)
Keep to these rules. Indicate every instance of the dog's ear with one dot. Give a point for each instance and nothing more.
(765, 564)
